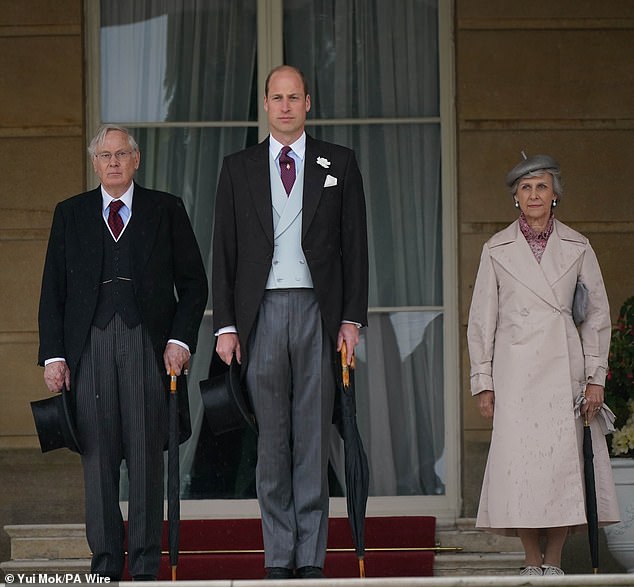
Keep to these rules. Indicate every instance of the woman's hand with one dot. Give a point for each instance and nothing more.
(594, 400)
(486, 403)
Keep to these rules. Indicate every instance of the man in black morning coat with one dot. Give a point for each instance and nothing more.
(123, 293)
(290, 285)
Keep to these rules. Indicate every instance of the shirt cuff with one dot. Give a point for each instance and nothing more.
(54, 360)
(179, 343)
(357, 324)
(226, 330)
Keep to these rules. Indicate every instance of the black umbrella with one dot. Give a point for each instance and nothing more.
(591, 495)
(173, 477)
(357, 472)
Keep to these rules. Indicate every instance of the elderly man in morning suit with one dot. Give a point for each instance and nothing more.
(290, 285)
(111, 328)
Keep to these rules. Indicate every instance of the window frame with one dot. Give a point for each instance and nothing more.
(446, 508)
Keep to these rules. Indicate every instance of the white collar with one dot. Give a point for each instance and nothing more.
(126, 198)
(298, 147)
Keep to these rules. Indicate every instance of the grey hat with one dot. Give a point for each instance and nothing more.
(531, 164)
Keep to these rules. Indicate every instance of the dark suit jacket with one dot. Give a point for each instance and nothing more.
(334, 237)
(165, 255)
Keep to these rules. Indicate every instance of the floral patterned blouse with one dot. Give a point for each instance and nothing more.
(537, 241)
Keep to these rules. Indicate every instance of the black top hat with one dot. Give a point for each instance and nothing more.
(224, 399)
(54, 423)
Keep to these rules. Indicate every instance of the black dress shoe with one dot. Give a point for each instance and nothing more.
(278, 573)
(144, 578)
(310, 573)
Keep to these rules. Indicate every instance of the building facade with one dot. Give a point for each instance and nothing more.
(437, 97)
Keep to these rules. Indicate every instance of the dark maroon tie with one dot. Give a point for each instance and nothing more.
(287, 169)
(115, 222)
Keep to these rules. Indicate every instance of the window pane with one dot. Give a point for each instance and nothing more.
(400, 417)
(190, 61)
(367, 59)
(400, 409)
(186, 162)
(401, 174)
(215, 467)
(178, 60)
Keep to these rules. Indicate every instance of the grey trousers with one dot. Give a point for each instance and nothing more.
(290, 379)
(122, 414)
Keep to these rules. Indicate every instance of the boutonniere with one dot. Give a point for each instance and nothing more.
(323, 162)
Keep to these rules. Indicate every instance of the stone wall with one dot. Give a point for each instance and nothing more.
(549, 76)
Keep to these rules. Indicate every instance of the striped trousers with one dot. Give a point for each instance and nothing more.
(290, 380)
(121, 403)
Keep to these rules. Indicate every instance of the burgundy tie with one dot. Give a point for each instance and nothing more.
(115, 222)
(287, 169)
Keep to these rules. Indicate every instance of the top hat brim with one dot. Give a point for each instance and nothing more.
(54, 422)
(239, 395)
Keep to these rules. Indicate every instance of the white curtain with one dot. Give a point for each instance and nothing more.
(376, 59)
(363, 59)
(206, 53)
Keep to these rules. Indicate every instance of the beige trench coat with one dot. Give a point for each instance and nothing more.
(524, 346)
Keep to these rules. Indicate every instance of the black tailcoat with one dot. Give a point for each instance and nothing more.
(334, 236)
(165, 259)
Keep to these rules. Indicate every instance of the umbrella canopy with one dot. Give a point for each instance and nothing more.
(591, 495)
(357, 472)
(173, 478)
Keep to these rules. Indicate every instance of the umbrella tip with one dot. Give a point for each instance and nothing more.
(174, 573)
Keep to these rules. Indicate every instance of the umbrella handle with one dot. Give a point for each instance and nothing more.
(345, 369)
(345, 372)
(172, 381)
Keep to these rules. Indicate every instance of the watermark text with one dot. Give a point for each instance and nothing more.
(53, 578)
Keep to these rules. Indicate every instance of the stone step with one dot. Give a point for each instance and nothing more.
(60, 548)
(477, 552)
(36, 567)
(48, 541)
(466, 537)
(445, 565)
(477, 564)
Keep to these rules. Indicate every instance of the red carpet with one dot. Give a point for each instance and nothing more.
(232, 549)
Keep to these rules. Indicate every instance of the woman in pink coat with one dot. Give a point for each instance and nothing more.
(529, 362)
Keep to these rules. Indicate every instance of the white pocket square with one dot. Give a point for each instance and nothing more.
(330, 181)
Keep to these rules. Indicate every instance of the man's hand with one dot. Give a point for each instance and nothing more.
(350, 334)
(57, 374)
(175, 358)
(227, 345)
(486, 403)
